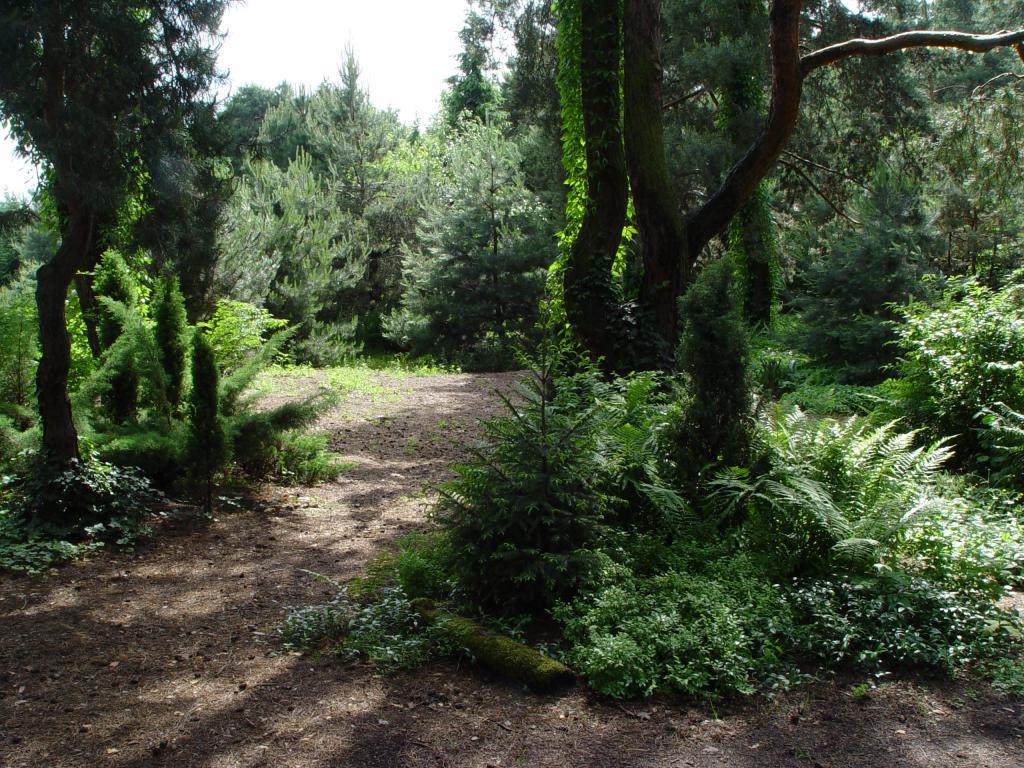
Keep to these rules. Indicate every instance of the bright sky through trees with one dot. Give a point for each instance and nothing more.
(406, 49)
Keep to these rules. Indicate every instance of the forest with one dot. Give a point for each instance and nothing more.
(659, 401)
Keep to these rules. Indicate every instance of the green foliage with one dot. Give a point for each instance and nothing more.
(1007, 675)
(19, 350)
(171, 335)
(303, 459)
(864, 271)
(386, 630)
(972, 539)
(207, 449)
(897, 619)
(476, 278)
(962, 356)
(714, 425)
(114, 281)
(1004, 443)
(704, 635)
(87, 499)
(130, 365)
(262, 441)
(521, 517)
(237, 330)
(832, 494)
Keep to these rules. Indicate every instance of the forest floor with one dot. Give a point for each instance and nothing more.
(168, 657)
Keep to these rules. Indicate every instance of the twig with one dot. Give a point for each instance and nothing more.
(822, 195)
(825, 168)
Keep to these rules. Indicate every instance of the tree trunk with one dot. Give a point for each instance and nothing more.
(667, 265)
(590, 301)
(60, 438)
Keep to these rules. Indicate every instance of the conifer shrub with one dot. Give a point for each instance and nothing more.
(207, 450)
(714, 421)
(171, 334)
(114, 281)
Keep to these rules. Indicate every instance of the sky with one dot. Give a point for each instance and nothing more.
(405, 48)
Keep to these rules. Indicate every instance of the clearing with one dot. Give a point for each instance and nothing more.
(168, 657)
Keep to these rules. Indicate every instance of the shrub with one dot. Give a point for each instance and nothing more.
(207, 449)
(84, 499)
(302, 458)
(384, 629)
(238, 330)
(961, 357)
(700, 634)
(897, 619)
(853, 290)
(171, 335)
(714, 425)
(115, 282)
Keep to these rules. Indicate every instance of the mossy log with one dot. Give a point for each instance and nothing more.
(498, 652)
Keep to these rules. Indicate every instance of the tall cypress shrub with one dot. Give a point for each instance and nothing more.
(114, 280)
(207, 449)
(171, 341)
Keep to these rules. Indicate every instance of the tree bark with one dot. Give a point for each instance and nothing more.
(590, 301)
(667, 265)
(60, 438)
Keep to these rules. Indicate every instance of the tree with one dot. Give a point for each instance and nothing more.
(83, 86)
(478, 273)
(170, 327)
(600, 30)
(866, 269)
(115, 281)
(208, 449)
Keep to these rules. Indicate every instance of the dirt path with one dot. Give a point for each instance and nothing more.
(167, 658)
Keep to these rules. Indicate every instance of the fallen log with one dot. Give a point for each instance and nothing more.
(498, 652)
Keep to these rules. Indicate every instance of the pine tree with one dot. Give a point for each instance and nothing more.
(485, 245)
(207, 448)
(172, 344)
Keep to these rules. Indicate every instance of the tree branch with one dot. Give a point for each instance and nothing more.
(919, 39)
(787, 87)
(824, 168)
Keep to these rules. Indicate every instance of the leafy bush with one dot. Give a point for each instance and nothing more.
(700, 634)
(973, 541)
(385, 629)
(961, 357)
(899, 619)
(85, 499)
(833, 492)
(237, 330)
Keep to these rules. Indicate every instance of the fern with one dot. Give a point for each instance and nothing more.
(838, 492)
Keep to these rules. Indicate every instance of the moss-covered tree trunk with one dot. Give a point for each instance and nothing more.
(666, 264)
(590, 301)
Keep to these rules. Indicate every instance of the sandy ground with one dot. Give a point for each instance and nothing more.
(167, 657)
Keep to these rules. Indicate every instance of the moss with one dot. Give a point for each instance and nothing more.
(499, 653)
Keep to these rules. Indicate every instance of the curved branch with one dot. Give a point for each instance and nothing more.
(787, 87)
(920, 39)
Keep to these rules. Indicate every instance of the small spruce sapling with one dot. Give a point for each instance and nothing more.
(207, 449)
